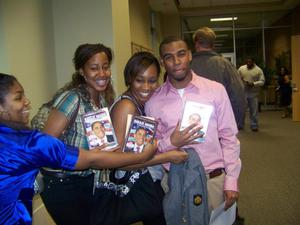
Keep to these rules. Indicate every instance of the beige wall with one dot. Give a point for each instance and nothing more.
(140, 23)
(121, 41)
(77, 22)
(27, 46)
(171, 25)
(141, 19)
(38, 40)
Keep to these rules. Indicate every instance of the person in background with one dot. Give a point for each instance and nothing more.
(219, 153)
(68, 195)
(253, 78)
(143, 202)
(207, 63)
(285, 90)
(24, 151)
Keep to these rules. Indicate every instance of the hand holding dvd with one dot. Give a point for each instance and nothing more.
(150, 149)
(99, 130)
(186, 136)
(140, 132)
(199, 114)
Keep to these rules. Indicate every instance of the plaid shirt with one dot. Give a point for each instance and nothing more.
(74, 135)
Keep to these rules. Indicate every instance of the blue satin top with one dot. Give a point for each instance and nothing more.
(22, 153)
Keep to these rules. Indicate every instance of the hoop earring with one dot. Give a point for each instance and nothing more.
(84, 77)
(4, 115)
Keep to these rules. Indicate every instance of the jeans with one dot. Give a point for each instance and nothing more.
(252, 103)
(69, 200)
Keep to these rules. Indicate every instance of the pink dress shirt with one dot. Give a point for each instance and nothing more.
(221, 148)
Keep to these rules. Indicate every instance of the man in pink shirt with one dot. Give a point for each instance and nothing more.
(220, 150)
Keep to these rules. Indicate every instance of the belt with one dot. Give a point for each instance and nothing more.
(60, 174)
(215, 173)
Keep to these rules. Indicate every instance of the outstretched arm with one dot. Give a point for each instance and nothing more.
(104, 159)
(173, 156)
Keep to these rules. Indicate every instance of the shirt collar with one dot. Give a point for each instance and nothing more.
(190, 87)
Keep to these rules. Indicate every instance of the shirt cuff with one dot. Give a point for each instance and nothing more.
(231, 184)
(72, 154)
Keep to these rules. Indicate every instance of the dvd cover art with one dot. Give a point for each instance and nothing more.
(199, 113)
(141, 131)
(99, 129)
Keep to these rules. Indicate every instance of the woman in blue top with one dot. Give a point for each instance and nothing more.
(23, 152)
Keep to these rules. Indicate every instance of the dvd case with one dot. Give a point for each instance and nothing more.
(99, 129)
(141, 131)
(195, 112)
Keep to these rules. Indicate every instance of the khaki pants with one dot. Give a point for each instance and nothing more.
(215, 191)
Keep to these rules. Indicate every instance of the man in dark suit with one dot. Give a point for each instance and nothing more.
(207, 63)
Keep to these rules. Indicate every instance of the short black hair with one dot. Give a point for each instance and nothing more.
(168, 40)
(6, 81)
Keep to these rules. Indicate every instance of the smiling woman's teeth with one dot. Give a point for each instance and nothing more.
(101, 82)
(144, 94)
(26, 111)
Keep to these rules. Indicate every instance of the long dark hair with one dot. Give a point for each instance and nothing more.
(82, 54)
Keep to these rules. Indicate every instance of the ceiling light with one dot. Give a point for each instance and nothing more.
(223, 19)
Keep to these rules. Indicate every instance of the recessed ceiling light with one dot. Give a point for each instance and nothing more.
(223, 19)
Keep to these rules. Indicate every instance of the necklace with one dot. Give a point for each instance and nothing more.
(90, 100)
(94, 105)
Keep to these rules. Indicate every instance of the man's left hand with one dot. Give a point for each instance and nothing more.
(230, 198)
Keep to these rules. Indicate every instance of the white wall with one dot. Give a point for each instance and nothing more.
(140, 23)
(121, 37)
(26, 46)
(77, 22)
(4, 67)
(38, 39)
